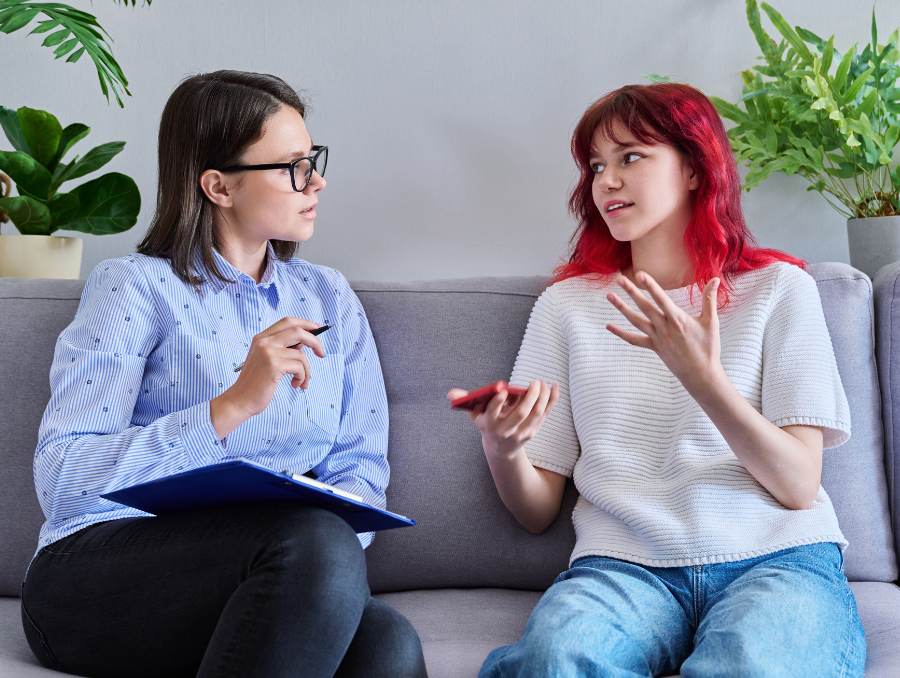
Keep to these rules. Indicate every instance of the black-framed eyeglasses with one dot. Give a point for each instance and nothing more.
(301, 169)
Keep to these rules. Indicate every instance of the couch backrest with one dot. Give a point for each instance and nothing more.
(431, 336)
(887, 320)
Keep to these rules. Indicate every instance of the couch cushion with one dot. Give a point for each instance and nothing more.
(459, 627)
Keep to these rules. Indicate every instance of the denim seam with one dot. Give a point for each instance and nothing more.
(845, 659)
(696, 574)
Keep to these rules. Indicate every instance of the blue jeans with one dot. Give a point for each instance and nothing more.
(790, 613)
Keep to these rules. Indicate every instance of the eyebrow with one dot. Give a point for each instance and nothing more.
(292, 155)
(617, 148)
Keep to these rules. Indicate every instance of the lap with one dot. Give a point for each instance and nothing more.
(792, 614)
(603, 616)
(152, 590)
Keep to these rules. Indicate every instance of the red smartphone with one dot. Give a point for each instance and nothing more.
(477, 400)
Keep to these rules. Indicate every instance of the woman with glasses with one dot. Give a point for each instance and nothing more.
(200, 348)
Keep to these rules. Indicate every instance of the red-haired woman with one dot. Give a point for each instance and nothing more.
(705, 542)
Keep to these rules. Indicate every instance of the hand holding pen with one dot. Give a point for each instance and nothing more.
(316, 332)
(274, 352)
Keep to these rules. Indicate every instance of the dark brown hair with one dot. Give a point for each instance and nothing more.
(207, 122)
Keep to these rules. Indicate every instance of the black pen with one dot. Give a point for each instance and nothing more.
(316, 332)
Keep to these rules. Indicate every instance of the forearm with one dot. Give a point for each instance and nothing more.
(529, 493)
(780, 462)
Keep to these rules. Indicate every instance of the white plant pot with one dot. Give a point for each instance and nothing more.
(40, 256)
(874, 242)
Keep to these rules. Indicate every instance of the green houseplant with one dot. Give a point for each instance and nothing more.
(107, 204)
(831, 117)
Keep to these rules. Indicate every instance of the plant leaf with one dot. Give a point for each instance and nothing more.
(856, 85)
(30, 176)
(44, 26)
(765, 42)
(42, 132)
(71, 135)
(10, 123)
(65, 47)
(56, 38)
(108, 204)
(92, 160)
(17, 19)
(789, 33)
(828, 55)
(30, 216)
(840, 76)
(75, 56)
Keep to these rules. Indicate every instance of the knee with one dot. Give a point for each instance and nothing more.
(398, 644)
(316, 544)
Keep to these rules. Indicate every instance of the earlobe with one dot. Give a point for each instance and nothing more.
(215, 188)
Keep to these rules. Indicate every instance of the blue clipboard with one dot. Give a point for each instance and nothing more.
(245, 482)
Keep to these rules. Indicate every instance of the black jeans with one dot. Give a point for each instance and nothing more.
(273, 590)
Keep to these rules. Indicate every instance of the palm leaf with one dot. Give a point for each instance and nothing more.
(76, 33)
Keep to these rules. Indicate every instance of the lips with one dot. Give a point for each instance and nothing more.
(309, 209)
(615, 206)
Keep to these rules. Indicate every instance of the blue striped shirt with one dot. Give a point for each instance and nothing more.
(133, 374)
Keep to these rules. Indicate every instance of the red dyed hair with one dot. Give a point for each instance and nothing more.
(716, 238)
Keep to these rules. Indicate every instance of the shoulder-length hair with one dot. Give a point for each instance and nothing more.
(716, 238)
(207, 123)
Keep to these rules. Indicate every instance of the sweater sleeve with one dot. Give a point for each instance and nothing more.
(544, 355)
(801, 384)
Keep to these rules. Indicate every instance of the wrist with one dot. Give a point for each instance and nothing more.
(497, 452)
(711, 386)
(226, 414)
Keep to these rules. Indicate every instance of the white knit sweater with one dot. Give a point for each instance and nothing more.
(658, 483)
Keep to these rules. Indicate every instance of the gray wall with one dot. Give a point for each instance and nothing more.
(448, 122)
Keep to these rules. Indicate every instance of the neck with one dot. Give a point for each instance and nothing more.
(662, 254)
(246, 255)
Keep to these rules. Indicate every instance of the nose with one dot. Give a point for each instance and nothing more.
(608, 180)
(316, 183)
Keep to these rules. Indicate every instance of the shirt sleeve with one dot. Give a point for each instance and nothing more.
(544, 355)
(86, 444)
(357, 462)
(801, 384)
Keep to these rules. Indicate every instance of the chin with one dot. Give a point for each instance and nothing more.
(302, 233)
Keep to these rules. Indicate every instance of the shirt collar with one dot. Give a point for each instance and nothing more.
(269, 280)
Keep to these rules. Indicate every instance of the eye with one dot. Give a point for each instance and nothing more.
(636, 156)
(596, 167)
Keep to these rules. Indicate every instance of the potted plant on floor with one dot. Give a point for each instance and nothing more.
(108, 204)
(833, 118)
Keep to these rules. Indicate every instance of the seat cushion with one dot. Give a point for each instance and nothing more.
(459, 627)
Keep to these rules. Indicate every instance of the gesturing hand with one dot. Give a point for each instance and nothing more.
(688, 345)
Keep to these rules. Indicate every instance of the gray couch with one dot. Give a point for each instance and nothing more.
(467, 575)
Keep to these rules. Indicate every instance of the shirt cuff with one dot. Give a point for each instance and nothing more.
(198, 436)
